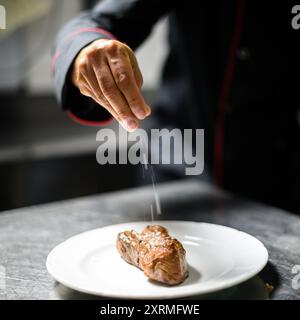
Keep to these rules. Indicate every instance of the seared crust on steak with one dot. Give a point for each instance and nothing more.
(161, 257)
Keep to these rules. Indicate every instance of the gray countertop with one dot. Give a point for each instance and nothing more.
(28, 234)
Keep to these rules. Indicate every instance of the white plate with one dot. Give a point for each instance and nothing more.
(218, 257)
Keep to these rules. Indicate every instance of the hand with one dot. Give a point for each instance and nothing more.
(107, 71)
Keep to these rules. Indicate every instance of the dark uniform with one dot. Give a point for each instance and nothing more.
(232, 70)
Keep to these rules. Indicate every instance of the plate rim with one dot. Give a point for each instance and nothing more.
(107, 294)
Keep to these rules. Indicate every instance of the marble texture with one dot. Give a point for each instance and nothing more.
(28, 234)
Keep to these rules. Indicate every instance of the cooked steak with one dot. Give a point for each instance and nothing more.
(161, 257)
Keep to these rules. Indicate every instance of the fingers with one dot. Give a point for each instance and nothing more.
(136, 70)
(115, 98)
(90, 88)
(124, 78)
(108, 72)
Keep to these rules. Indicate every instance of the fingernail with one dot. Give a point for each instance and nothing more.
(131, 124)
(140, 113)
(148, 111)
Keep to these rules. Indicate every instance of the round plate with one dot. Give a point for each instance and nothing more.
(218, 257)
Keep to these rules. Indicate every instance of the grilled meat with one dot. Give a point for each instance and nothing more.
(161, 257)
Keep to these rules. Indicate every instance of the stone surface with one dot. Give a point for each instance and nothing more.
(27, 235)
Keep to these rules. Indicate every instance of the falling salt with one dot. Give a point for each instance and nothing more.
(152, 214)
(156, 197)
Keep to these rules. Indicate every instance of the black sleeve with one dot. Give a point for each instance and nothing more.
(129, 21)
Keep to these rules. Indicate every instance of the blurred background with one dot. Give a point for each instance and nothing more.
(44, 156)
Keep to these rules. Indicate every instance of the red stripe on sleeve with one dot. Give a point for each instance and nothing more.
(88, 122)
(73, 34)
(53, 61)
(95, 30)
(224, 94)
